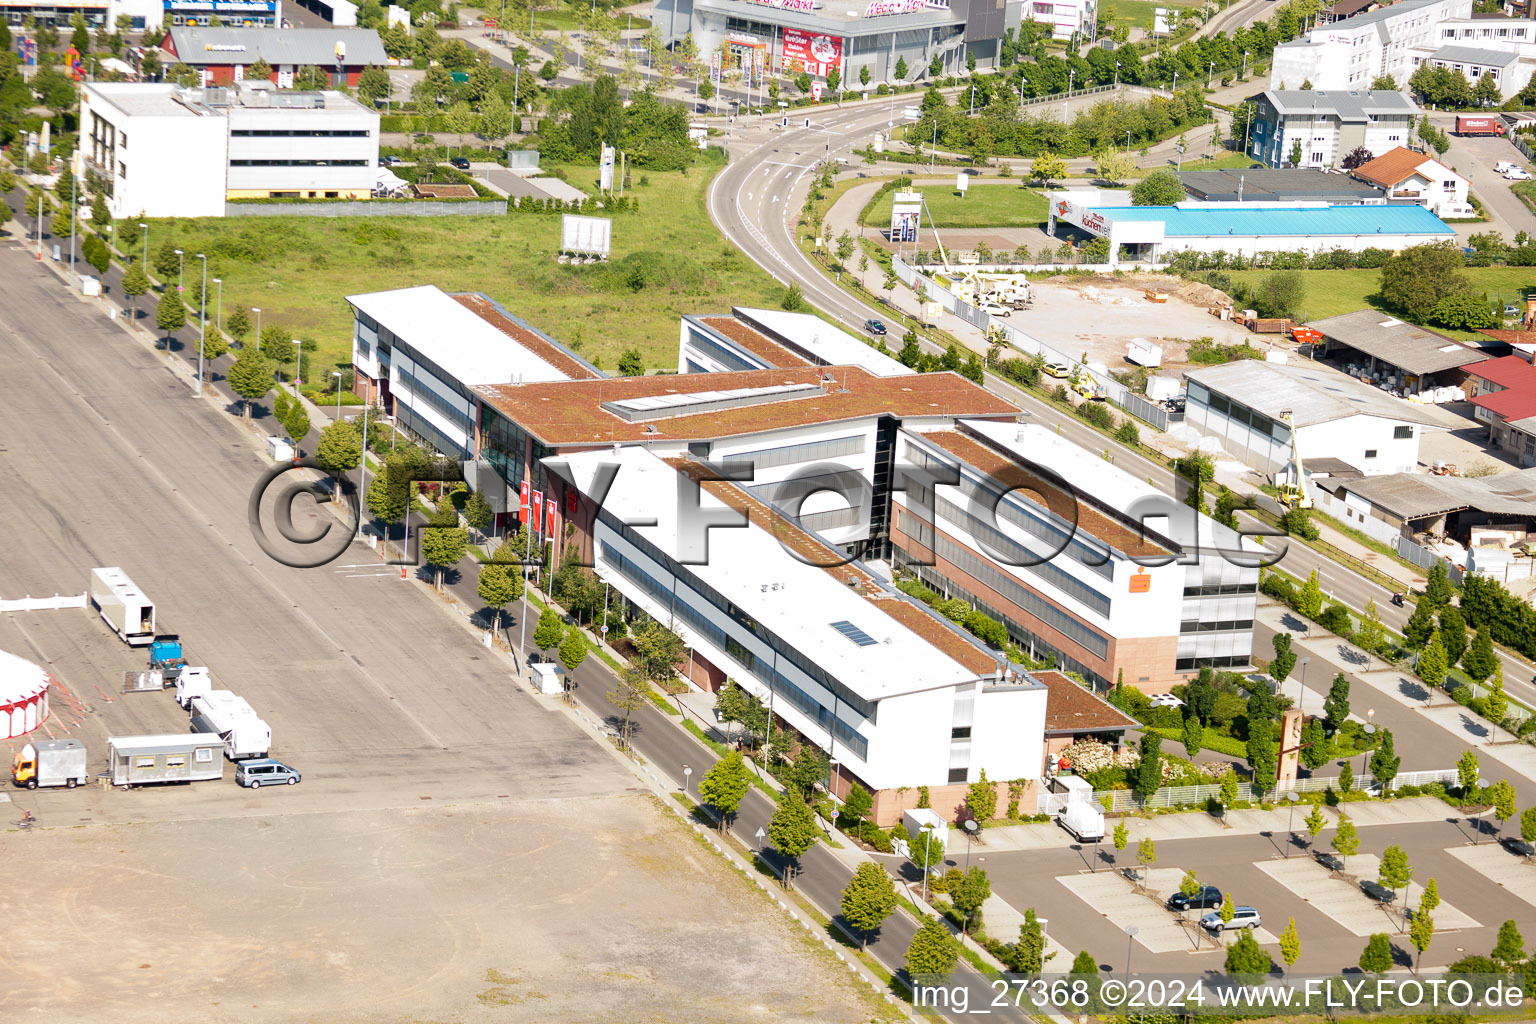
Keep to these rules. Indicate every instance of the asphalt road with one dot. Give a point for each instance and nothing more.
(756, 203)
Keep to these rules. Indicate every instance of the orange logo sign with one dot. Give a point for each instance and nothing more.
(1141, 583)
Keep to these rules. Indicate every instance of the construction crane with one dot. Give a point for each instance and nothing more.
(1293, 493)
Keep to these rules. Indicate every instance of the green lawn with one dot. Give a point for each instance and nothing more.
(983, 206)
(1526, 191)
(1224, 162)
(1138, 13)
(1332, 292)
(299, 269)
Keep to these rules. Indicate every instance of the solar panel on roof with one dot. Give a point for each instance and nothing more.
(854, 633)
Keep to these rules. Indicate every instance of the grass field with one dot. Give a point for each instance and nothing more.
(1138, 13)
(983, 206)
(1224, 162)
(1332, 292)
(667, 260)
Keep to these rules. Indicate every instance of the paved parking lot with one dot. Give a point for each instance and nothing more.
(458, 848)
(1498, 866)
(1158, 930)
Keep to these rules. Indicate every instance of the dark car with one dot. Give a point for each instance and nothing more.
(1207, 898)
(462, 163)
(874, 327)
(1517, 846)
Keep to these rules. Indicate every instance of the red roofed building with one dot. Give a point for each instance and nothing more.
(1505, 398)
(1406, 174)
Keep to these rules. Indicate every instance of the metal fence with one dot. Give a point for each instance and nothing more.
(1524, 147)
(1424, 558)
(1142, 409)
(1124, 800)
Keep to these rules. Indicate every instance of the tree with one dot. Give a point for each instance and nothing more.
(1432, 664)
(573, 649)
(1336, 704)
(981, 798)
(1496, 704)
(1416, 278)
(341, 445)
(925, 850)
(442, 545)
(631, 691)
(1160, 188)
(1422, 931)
(1246, 956)
(261, 70)
(1047, 167)
(478, 511)
(1420, 625)
(631, 363)
(373, 85)
(864, 75)
(659, 650)
(1114, 166)
(1376, 958)
(1466, 311)
(1502, 796)
(495, 118)
(238, 324)
(859, 803)
(1479, 661)
(868, 899)
(1315, 821)
(1385, 762)
(1395, 872)
(1346, 840)
(1314, 744)
(498, 586)
(135, 283)
(170, 315)
(793, 300)
(792, 830)
(250, 377)
(1149, 771)
(1146, 856)
(809, 767)
(1372, 632)
(1528, 825)
(901, 69)
(725, 784)
(933, 952)
(1309, 599)
(95, 252)
(1487, 92)
(550, 631)
(1200, 696)
(1290, 944)
(1193, 734)
(968, 894)
(1122, 839)
(1510, 947)
(1284, 660)
(1346, 776)
(460, 120)
(1280, 294)
(1028, 955)
(1357, 157)
(1467, 772)
(1229, 791)
(1295, 158)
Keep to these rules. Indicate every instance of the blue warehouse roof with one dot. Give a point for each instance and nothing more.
(1246, 221)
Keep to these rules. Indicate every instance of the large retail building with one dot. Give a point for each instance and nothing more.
(790, 36)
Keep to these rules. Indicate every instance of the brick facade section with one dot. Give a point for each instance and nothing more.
(946, 801)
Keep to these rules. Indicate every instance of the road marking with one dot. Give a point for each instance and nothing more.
(359, 575)
(782, 163)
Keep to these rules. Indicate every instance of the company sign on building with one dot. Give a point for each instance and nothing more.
(815, 53)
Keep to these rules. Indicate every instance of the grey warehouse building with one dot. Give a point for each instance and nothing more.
(790, 36)
(1290, 185)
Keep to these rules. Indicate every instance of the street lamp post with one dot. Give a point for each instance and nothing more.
(1130, 942)
(257, 311)
(1070, 76)
(687, 780)
(202, 320)
(298, 366)
(924, 832)
(218, 309)
(1117, 74)
(1210, 73)
(1175, 89)
(337, 375)
(1290, 825)
(145, 228)
(1301, 690)
(74, 209)
(181, 270)
(1365, 755)
(970, 833)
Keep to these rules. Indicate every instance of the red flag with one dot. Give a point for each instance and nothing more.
(538, 513)
(523, 503)
(549, 511)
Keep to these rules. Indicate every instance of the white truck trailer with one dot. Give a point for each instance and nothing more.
(123, 606)
(227, 715)
(194, 681)
(136, 760)
(51, 763)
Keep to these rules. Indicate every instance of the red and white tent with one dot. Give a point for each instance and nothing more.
(23, 695)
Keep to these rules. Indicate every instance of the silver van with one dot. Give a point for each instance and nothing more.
(264, 771)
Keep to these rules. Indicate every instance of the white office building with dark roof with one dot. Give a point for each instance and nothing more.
(1323, 126)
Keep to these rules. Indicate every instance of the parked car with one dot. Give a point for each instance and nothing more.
(993, 308)
(1510, 309)
(1061, 370)
(874, 327)
(1517, 846)
(462, 163)
(1377, 891)
(1518, 174)
(1208, 898)
(392, 161)
(1242, 917)
(264, 771)
(1504, 166)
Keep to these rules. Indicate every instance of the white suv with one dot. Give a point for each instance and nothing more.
(1242, 917)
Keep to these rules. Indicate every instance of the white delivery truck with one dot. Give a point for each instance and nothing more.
(124, 607)
(227, 715)
(1082, 820)
(51, 763)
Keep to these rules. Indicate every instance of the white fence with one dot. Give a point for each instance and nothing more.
(42, 604)
(1124, 800)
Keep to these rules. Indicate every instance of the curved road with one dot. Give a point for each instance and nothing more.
(756, 201)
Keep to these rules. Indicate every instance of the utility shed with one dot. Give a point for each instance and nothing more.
(1423, 358)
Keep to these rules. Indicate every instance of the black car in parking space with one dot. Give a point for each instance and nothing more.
(462, 163)
(1208, 898)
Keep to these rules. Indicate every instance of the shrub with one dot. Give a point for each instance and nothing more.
(1097, 413)
(1335, 619)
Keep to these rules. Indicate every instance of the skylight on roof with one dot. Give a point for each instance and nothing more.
(854, 633)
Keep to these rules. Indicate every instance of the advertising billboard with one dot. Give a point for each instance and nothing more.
(589, 236)
(605, 169)
(906, 211)
(815, 53)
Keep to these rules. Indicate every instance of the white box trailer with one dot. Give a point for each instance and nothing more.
(136, 760)
(123, 606)
(227, 715)
(51, 763)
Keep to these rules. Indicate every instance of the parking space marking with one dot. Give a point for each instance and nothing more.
(1500, 867)
(1346, 904)
(1158, 930)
